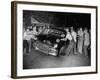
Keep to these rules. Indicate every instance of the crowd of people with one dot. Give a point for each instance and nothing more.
(76, 42)
(79, 41)
(30, 36)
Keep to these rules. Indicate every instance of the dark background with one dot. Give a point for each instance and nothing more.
(59, 19)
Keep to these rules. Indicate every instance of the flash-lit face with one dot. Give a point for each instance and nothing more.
(71, 28)
(67, 30)
(85, 30)
(80, 29)
(27, 29)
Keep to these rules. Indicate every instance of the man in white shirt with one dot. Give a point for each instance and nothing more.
(86, 41)
(26, 41)
(68, 37)
(80, 41)
(74, 36)
(34, 36)
(34, 33)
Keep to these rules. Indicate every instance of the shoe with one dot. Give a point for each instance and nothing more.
(57, 55)
(63, 54)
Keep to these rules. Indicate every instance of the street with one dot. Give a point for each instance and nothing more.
(36, 60)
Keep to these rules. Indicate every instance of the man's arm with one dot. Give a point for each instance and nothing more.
(64, 39)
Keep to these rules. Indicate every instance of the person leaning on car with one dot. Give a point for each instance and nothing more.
(68, 37)
(34, 38)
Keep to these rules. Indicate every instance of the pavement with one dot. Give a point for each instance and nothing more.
(36, 60)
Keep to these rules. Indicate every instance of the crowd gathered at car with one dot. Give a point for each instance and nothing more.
(74, 41)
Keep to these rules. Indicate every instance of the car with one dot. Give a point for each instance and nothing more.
(48, 41)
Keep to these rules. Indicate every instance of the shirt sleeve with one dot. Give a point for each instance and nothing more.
(66, 37)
